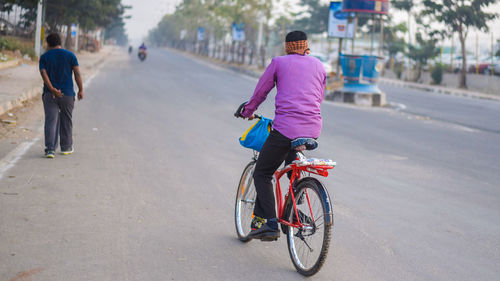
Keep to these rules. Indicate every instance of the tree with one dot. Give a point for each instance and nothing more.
(89, 14)
(29, 15)
(405, 5)
(216, 16)
(459, 16)
(116, 30)
(424, 50)
(315, 18)
(393, 43)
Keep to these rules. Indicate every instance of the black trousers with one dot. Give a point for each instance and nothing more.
(58, 114)
(276, 149)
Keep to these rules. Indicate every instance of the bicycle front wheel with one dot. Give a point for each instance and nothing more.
(308, 246)
(245, 202)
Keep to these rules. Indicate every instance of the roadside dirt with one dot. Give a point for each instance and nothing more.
(20, 124)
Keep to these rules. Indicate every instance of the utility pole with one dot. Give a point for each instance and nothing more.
(492, 72)
(408, 47)
(260, 31)
(77, 35)
(259, 36)
(353, 32)
(38, 35)
(381, 39)
(477, 54)
(372, 35)
(452, 53)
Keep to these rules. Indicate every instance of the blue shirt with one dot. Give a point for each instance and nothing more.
(59, 65)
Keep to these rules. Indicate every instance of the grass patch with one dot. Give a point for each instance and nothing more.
(13, 44)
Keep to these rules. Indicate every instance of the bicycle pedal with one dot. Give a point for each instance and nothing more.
(268, 239)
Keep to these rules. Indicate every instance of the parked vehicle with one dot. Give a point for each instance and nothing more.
(482, 68)
(495, 67)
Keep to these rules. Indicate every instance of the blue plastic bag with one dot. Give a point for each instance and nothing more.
(257, 134)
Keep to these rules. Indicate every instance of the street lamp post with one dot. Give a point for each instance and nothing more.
(38, 35)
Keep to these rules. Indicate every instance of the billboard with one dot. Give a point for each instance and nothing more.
(366, 6)
(338, 24)
(201, 34)
(238, 31)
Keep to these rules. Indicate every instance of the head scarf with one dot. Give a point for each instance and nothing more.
(297, 47)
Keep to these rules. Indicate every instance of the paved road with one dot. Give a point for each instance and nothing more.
(149, 192)
(475, 114)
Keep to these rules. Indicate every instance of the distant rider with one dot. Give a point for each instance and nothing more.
(142, 52)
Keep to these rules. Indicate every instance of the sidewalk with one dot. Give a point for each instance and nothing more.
(21, 83)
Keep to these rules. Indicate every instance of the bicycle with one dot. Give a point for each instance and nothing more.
(305, 212)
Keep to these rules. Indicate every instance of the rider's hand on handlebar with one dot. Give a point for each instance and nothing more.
(251, 117)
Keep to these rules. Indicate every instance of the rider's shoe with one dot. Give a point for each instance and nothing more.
(265, 231)
(257, 222)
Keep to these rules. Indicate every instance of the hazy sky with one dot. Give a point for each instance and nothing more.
(147, 13)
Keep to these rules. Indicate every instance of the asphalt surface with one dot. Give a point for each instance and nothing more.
(149, 192)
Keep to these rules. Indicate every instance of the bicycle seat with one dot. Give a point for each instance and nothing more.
(310, 143)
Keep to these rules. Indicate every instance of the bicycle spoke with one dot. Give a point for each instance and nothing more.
(304, 240)
(318, 225)
(306, 244)
(245, 202)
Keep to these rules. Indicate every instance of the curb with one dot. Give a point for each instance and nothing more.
(18, 102)
(439, 90)
(37, 91)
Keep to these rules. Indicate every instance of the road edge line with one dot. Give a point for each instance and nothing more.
(12, 157)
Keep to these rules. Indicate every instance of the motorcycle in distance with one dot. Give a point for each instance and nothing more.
(142, 54)
(130, 48)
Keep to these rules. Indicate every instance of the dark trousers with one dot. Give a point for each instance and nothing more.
(276, 149)
(58, 114)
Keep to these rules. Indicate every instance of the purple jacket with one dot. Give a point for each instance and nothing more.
(300, 81)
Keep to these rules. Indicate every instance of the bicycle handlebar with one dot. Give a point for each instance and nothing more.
(237, 114)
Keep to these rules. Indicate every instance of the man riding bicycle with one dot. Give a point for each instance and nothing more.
(300, 81)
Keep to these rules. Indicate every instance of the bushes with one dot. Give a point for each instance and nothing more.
(398, 69)
(13, 44)
(437, 74)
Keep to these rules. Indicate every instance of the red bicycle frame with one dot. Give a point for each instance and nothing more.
(321, 170)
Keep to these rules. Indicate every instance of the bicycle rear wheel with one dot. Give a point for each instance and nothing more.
(308, 246)
(245, 201)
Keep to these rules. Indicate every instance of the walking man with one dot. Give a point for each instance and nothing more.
(56, 68)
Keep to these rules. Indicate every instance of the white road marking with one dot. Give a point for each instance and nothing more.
(464, 128)
(397, 106)
(12, 157)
